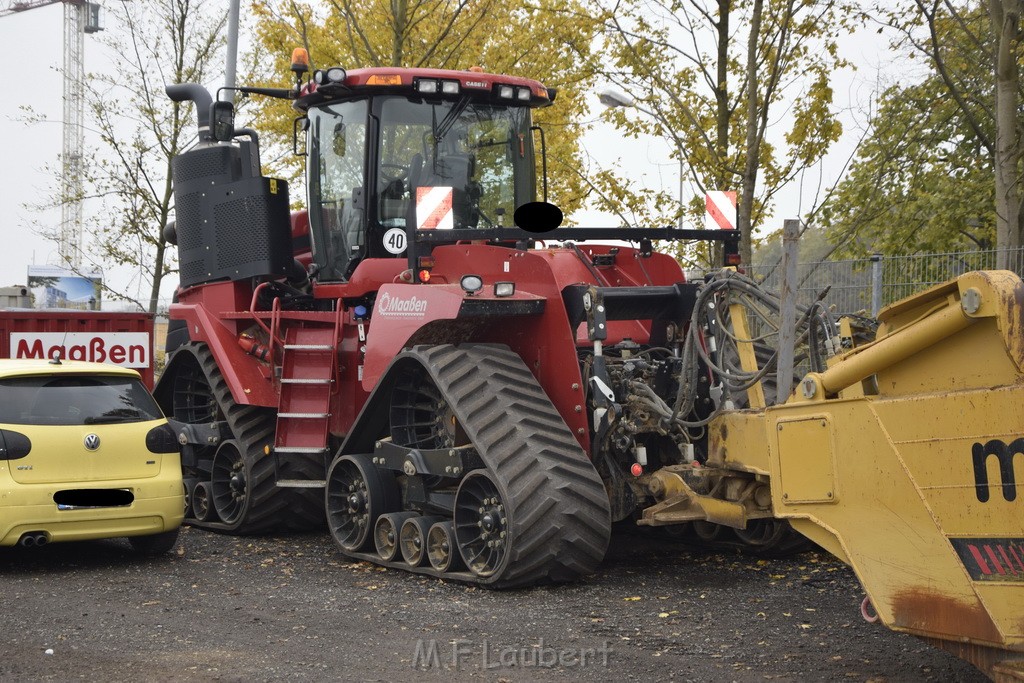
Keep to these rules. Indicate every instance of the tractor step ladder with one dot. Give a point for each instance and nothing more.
(308, 365)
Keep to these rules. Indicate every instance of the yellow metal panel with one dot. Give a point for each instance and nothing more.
(736, 440)
(894, 531)
(937, 436)
(977, 362)
(806, 460)
(1004, 603)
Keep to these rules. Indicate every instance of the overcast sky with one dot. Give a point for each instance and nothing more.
(31, 55)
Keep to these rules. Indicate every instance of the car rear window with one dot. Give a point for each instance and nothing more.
(75, 400)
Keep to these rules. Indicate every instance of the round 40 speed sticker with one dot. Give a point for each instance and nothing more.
(394, 240)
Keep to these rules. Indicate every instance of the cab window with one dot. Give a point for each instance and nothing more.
(337, 159)
(451, 164)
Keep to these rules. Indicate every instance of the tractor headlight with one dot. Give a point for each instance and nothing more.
(506, 92)
(426, 87)
(471, 284)
(504, 288)
(450, 87)
(331, 76)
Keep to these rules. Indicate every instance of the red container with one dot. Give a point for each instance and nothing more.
(120, 338)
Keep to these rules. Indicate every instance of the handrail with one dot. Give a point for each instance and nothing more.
(275, 321)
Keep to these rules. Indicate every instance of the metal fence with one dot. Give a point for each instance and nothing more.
(866, 285)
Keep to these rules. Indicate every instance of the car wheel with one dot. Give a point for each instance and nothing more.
(157, 544)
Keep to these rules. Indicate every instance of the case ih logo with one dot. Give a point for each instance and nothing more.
(394, 306)
(128, 349)
(1004, 453)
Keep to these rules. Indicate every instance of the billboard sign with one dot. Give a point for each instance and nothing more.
(56, 287)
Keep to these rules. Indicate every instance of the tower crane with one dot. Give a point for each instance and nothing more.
(80, 17)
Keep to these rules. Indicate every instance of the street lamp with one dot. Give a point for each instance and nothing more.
(613, 98)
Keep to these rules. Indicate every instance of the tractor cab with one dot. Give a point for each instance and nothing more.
(393, 151)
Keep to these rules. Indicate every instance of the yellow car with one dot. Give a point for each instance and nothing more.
(85, 453)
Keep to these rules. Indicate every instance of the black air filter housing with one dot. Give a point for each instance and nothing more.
(231, 224)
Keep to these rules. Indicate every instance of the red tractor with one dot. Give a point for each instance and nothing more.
(408, 359)
(410, 363)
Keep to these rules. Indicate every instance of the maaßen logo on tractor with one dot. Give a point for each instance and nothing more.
(1004, 454)
(413, 307)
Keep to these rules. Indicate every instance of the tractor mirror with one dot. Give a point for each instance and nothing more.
(222, 116)
(300, 123)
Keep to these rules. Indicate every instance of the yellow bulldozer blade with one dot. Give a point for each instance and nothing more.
(902, 459)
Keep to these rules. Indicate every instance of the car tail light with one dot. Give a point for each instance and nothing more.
(162, 439)
(13, 445)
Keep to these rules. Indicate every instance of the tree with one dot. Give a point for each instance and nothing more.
(548, 40)
(141, 131)
(714, 74)
(924, 177)
(921, 180)
(973, 52)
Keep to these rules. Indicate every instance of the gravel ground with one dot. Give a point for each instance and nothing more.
(250, 609)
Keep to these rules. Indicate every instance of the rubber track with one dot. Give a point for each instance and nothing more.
(558, 506)
(270, 508)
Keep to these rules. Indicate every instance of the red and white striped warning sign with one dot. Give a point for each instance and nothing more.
(721, 210)
(434, 208)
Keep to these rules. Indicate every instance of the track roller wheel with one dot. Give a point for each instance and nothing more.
(482, 524)
(441, 548)
(357, 494)
(386, 533)
(202, 502)
(228, 482)
(412, 539)
(771, 538)
(190, 485)
(762, 532)
(193, 390)
(708, 532)
(532, 510)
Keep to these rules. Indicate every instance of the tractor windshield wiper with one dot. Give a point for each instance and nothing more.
(441, 129)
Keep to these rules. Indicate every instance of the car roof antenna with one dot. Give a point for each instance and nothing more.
(55, 360)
